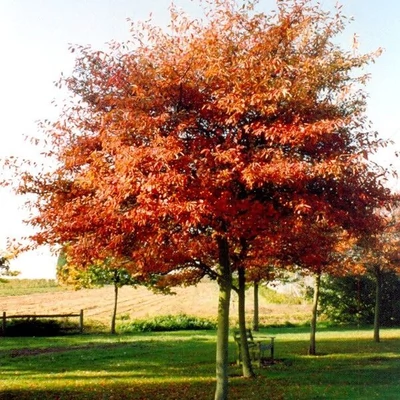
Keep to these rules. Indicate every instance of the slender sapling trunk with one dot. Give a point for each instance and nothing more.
(114, 315)
(378, 300)
(256, 319)
(247, 369)
(317, 283)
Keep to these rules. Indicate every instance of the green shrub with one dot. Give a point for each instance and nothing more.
(124, 317)
(168, 323)
(274, 297)
(351, 299)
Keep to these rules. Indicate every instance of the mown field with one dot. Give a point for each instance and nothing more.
(44, 297)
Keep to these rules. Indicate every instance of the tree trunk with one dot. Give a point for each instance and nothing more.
(114, 315)
(317, 284)
(378, 299)
(225, 287)
(256, 319)
(247, 369)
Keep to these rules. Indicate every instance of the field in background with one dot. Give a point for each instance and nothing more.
(45, 297)
(18, 287)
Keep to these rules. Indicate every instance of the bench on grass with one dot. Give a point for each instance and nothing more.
(257, 348)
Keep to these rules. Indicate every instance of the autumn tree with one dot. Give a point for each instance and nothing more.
(380, 253)
(215, 138)
(373, 257)
(316, 250)
(371, 247)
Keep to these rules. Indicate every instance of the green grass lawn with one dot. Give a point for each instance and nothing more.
(181, 365)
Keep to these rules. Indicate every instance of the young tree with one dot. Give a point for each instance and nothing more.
(315, 253)
(256, 276)
(220, 133)
(107, 272)
(325, 247)
(379, 253)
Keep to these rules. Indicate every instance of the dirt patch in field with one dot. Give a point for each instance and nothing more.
(139, 303)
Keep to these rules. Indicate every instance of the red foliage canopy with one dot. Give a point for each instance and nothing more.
(244, 127)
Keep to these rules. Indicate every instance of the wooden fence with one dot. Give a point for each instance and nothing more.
(35, 316)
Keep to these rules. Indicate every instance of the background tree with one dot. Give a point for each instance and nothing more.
(111, 275)
(256, 277)
(233, 130)
(108, 272)
(315, 256)
(373, 251)
(324, 247)
(5, 269)
(379, 253)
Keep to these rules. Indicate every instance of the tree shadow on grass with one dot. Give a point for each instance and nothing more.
(340, 382)
(145, 357)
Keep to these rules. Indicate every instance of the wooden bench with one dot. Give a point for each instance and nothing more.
(257, 348)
